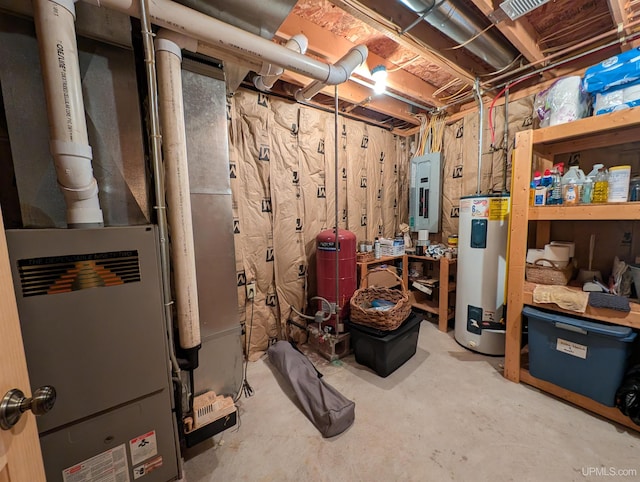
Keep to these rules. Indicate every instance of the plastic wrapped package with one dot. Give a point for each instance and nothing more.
(613, 72)
(565, 101)
(617, 99)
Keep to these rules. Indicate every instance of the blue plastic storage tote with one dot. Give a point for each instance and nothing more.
(583, 356)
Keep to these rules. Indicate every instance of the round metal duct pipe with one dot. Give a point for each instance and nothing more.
(458, 23)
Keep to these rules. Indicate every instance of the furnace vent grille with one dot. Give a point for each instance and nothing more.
(63, 274)
(518, 8)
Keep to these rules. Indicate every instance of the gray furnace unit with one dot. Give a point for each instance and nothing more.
(93, 325)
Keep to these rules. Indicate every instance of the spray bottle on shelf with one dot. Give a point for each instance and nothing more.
(554, 191)
(376, 249)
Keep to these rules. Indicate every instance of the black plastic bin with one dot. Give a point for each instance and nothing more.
(385, 351)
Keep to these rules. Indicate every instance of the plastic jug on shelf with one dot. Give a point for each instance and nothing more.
(572, 183)
(601, 187)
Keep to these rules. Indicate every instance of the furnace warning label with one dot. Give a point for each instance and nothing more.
(147, 467)
(143, 447)
(498, 209)
(109, 466)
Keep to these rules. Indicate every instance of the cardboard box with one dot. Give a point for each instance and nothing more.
(384, 279)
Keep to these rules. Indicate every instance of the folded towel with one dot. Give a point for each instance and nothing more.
(605, 300)
(562, 296)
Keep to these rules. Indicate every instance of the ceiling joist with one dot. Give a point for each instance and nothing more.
(620, 18)
(519, 32)
(357, 94)
(437, 52)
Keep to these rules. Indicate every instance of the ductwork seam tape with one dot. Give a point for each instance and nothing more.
(163, 44)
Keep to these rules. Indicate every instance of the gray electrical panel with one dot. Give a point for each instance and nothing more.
(424, 193)
(92, 321)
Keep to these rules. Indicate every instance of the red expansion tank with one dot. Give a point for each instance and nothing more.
(326, 267)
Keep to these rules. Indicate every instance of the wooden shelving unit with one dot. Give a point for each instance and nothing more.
(631, 319)
(365, 267)
(594, 132)
(440, 307)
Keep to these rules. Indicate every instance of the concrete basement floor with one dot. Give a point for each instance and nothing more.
(446, 414)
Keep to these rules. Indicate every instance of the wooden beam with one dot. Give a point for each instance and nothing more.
(453, 62)
(519, 32)
(621, 18)
(332, 47)
(616, 7)
(355, 94)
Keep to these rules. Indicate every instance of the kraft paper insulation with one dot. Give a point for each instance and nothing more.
(460, 157)
(283, 185)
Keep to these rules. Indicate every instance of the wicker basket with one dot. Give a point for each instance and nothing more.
(364, 257)
(381, 320)
(548, 275)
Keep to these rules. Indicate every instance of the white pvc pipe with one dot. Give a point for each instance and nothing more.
(174, 147)
(271, 73)
(346, 65)
(69, 144)
(192, 23)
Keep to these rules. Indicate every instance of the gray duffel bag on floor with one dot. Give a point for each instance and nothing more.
(330, 411)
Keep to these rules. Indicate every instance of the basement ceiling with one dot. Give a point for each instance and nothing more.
(429, 71)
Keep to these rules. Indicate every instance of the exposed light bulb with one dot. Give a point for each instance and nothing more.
(379, 76)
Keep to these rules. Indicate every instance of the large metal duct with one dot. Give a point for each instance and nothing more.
(458, 23)
(258, 17)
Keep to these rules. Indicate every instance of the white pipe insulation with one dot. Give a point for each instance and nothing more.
(55, 30)
(271, 73)
(181, 19)
(347, 64)
(174, 146)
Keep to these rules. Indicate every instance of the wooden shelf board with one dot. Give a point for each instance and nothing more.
(631, 319)
(451, 287)
(429, 258)
(382, 260)
(588, 212)
(612, 413)
(423, 304)
(602, 126)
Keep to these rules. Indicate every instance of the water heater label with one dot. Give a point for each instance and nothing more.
(143, 447)
(498, 209)
(109, 466)
(480, 208)
(571, 348)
